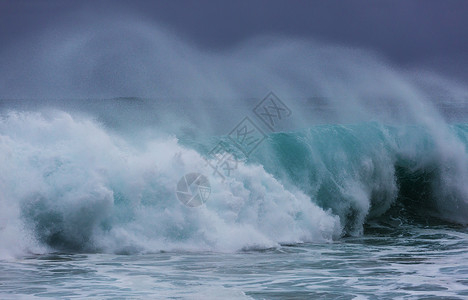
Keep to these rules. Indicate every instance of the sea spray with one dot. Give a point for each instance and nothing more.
(84, 171)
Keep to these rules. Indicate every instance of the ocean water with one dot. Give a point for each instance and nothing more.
(414, 262)
(353, 184)
(357, 211)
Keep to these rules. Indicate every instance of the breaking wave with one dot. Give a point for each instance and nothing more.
(68, 183)
(100, 175)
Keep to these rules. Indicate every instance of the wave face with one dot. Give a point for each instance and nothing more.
(70, 183)
(360, 171)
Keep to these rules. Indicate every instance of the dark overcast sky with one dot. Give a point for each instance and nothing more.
(406, 32)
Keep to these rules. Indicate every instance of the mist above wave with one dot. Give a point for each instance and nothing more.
(115, 55)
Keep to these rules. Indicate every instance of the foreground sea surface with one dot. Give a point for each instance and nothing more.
(414, 262)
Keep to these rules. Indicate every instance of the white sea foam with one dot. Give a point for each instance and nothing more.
(69, 182)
